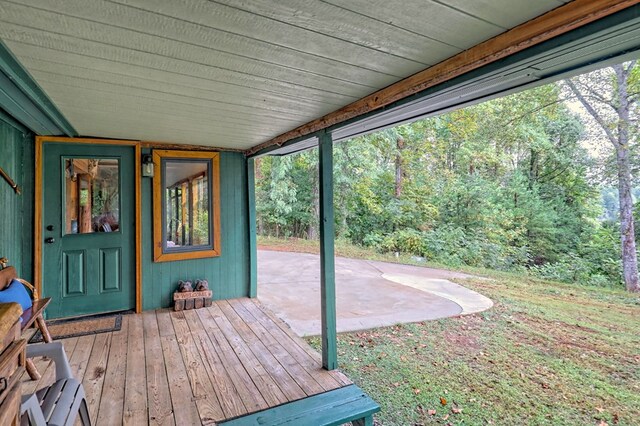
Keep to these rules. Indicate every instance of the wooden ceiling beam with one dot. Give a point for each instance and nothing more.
(554, 23)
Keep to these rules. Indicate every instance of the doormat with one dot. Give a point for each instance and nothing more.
(76, 327)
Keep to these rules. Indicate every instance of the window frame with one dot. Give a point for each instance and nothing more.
(160, 252)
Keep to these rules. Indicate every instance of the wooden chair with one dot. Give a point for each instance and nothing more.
(30, 316)
(62, 402)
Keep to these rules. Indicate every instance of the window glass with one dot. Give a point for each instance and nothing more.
(186, 192)
(91, 195)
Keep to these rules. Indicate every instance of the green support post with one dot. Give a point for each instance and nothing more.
(253, 245)
(327, 261)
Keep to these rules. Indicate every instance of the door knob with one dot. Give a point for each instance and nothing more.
(49, 227)
(50, 240)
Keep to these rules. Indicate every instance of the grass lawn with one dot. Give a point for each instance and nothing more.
(546, 353)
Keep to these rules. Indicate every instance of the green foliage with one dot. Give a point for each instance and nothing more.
(284, 195)
(454, 247)
(503, 185)
(201, 228)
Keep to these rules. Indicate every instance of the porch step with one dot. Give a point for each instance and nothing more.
(331, 408)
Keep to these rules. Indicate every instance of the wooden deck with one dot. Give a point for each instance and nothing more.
(193, 367)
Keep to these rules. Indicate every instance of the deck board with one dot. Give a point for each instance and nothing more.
(183, 402)
(193, 367)
(306, 381)
(135, 391)
(265, 383)
(209, 407)
(159, 398)
(80, 356)
(94, 376)
(338, 375)
(249, 393)
(311, 360)
(223, 386)
(111, 402)
(282, 377)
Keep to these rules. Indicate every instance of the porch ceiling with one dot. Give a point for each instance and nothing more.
(230, 73)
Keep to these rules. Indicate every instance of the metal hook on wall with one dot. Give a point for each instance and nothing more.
(10, 181)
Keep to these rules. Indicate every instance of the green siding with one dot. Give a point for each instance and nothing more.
(16, 220)
(228, 274)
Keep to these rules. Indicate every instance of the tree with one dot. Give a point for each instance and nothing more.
(610, 96)
(503, 184)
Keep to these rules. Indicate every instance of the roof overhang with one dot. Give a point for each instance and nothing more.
(613, 38)
(256, 76)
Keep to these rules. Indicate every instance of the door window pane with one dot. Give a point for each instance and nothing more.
(91, 195)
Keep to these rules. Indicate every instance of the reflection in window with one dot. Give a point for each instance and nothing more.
(92, 198)
(187, 204)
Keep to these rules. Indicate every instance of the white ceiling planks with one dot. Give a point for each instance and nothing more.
(177, 74)
(500, 13)
(234, 73)
(349, 27)
(106, 82)
(427, 18)
(255, 27)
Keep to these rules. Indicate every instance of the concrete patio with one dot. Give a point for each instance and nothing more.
(369, 294)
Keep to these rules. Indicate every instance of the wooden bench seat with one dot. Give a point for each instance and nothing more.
(332, 408)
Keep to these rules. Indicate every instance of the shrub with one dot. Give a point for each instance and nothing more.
(572, 268)
(453, 246)
(373, 240)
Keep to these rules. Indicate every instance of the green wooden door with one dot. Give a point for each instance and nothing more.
(88, 247)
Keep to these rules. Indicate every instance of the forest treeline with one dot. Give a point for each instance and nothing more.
(508, 184)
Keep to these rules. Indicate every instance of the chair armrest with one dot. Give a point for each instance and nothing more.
(32, 408)
(55, 351)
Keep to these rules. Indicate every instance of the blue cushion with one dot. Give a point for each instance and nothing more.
(16, 293)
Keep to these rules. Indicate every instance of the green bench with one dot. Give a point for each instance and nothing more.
(332, 408)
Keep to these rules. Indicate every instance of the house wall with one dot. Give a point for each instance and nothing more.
(16, 216)
(228, 274)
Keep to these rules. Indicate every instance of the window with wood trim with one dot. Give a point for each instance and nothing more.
(186, 205)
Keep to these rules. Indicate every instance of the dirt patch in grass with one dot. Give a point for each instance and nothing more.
(463, 341)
